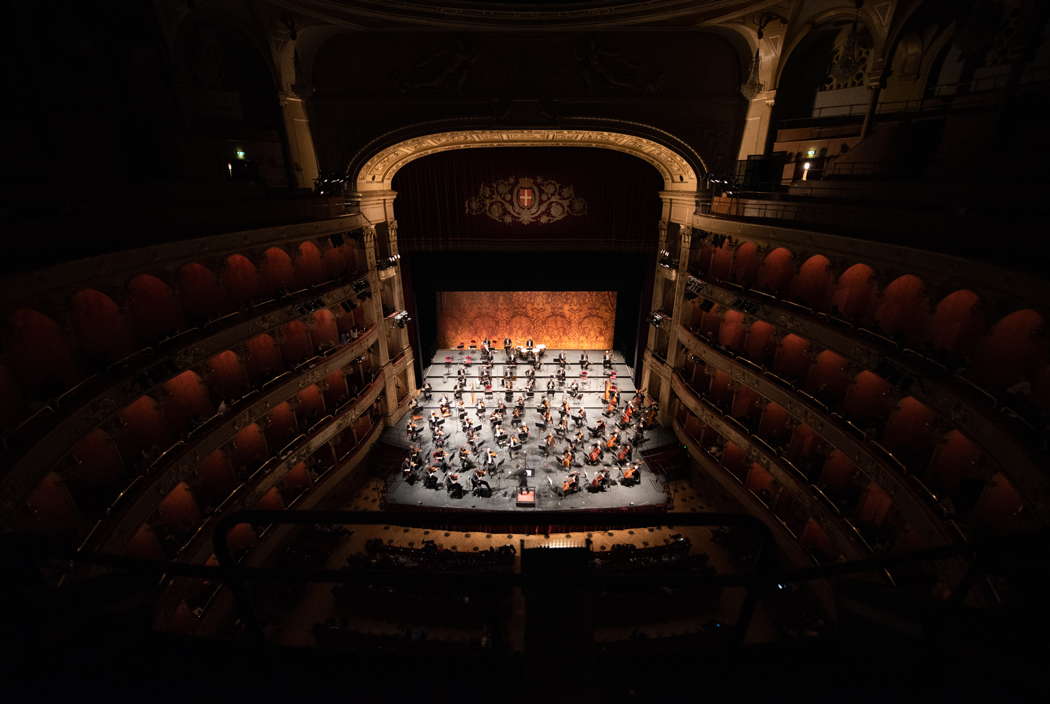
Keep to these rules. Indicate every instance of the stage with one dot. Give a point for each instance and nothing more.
(544, 473)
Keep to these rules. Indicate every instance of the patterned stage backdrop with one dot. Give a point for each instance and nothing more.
(559, 319)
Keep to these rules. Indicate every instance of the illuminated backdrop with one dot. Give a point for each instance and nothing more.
(559, 319)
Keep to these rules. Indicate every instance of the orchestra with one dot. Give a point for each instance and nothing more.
(607, 440)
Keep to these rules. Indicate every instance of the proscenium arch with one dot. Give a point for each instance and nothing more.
(377, 173)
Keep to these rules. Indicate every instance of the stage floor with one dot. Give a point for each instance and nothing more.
(651, 493)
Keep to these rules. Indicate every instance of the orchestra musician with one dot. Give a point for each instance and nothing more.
(650, 414)
(574, 389)
(428, 390)
(415, 455)
(550, 385)
(515, 416)
(455, 489)
(577, 439)
(490, 459)
(639, 435)
(563, 427)
(595, 455)
(579, 417)
(479, 486)
(464, 458)
(408, 469)
(600, 480)
(561, 360)
(568, 459)
(610, 410)
(607, 359)
(430, 480)
(571, 483)
(612, 442)
(598, 429)
(624, 453)
(515, 445)
(560, 376)
(625, 419)
(563, 410)
(415, 406)
(631, 475)
(523, 433)
(506, 346)
(548, 444)
(530, 386)
(585, 361)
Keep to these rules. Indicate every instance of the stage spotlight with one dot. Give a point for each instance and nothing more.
(401, 319)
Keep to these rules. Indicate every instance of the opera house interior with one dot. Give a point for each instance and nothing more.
(606, 350)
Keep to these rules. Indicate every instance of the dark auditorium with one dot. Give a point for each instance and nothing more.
(525, 350)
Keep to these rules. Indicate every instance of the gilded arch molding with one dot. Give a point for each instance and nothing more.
(377, 173)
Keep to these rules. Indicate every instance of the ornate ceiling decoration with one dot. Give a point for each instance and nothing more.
(378, 172)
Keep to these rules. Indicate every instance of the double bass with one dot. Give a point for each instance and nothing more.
(624, 454)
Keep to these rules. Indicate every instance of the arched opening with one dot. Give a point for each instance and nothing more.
(39, 353)
(856, 294)
(186, 402)
(241, 279)
(308, 265)
(904, 310)
(746, 263)
(792, 357)
(278, 274)
(909, 433)
(153, 308)
(1012, 351)
(776, 271)
(201, 295)
(100, 327)
(957, 323)
(813, 284)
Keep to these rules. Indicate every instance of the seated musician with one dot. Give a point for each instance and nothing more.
(408, 468)
(560, 376)
(600, 480)
(545, 404)
(530, 373)
(415, 455)
(515, 416)
(651, 413)
(585, 361)
(574, 389)
(530, 387)
(548, 443)
(464, 458)
(479, 485)
(489, 460)
(501, 409)
(439, 438)
(639, 435)
(550, 385)
(568, 459)
(625, 419)
(613, 441)
(561, 360)
(507, 345)
(563, 427)
(499, 434)
(547, 419)
(564, 409)
(580, 416)
(428, 390)
(457, 392)
(430, 480)
(595, 455)
(578, 439)
(610, 410)
(453, 485)
(598, 429)
(434, 420)
(514, 446)
(631, 475)
(624, 454)
(414, 405)
(607, 359)
(523, 433)
(571, 483)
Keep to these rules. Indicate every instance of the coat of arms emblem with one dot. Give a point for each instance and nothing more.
(526, 200)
